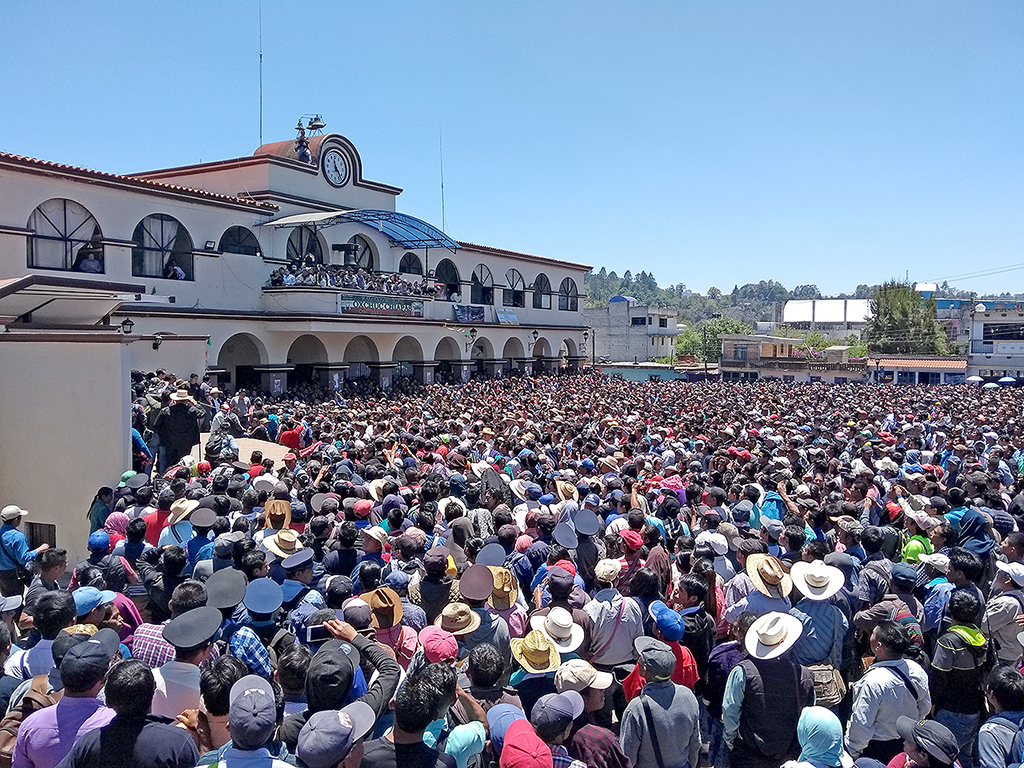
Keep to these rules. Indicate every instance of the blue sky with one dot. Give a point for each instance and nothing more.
(711, 143)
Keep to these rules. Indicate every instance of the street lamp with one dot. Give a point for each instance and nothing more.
(471, 336)
(126, 326)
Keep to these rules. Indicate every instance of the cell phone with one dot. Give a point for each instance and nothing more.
(317, 634)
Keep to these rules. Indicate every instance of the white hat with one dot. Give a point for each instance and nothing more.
(938, 561)
(922, 519)
(560, 629)
(578, 675)
(716, 541)
(772, 635)
(1014, 570)
(11, 513)
(815, 580)
(607, 571)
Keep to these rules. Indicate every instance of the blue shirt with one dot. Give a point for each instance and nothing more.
(14, 549)
(823, 633)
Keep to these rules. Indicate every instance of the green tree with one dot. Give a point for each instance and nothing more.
(702, 340)
(902, 323)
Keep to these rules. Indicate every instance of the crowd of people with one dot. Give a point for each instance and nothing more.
(316, 275)
(548, 571)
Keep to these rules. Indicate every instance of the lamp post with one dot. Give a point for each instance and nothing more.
(586, 342)
(126, 326)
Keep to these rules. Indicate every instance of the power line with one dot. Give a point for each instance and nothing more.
(979, 273)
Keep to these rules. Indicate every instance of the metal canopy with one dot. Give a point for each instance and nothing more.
(62, 300)
(400, 228)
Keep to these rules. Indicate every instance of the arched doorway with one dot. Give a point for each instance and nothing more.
(482, 350)
(445, 353)
(305, 352)
(513, 348)
(542, 348)
(407, 351)
(239, 356)
(358, 354)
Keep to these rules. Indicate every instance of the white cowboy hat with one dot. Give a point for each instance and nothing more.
(180, 395)
(815, 580)
(376, 488)
(560, 629)
(772, 635)
(518, 487)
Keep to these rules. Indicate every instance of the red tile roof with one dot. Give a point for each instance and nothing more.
(132, 180)
(919, 363)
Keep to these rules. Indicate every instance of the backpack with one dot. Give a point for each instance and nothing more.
(36, 698)
(1016, 754)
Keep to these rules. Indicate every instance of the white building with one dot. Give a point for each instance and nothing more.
(997, 340)
(625, 330)
(830, 316)
(75, 243)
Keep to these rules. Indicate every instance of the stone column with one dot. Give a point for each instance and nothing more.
(274, 378)
(423, 372)
(331, 375)
(382, 373)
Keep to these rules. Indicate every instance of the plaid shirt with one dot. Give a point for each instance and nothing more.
(149, 646)
(595, 746)
(246, 647)
(560, 758)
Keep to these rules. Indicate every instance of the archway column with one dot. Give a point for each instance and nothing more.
(461, 369)
(331, 375)
(546, 364)
(575, 362)
(525, 365)
(494, 367)
(274, 378)
(382, 373)
(423, 371)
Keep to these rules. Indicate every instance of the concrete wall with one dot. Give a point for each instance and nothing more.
(64, 430)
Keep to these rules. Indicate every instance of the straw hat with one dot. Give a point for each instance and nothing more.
(769, 575)
(772, 635)
(283, 543)
(506, 588)
(567, 490)
(181, 510)
(278, 508)
(459, 619)
(180, 396)
(536, 653)
(815, 580)
(560, 629)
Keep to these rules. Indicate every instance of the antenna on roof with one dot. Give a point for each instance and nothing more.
(261, 71)
(440, 143)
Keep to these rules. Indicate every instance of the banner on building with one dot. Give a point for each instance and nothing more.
(390, 306)
(506, 316)
(464, 314)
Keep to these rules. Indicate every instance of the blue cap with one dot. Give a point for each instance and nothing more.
(547, 498)
(99, 540)
(592, 498)
(88, 598)
(298, 561)
(616, 495)
(534, 491)
(586, 523)
(587, 463)
(492, 554)
(905, 573)
(397, 580)
(499, 718)
(669, 623)
(263, 596)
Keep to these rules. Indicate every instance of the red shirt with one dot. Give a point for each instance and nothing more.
(156, 522)
(292, 438)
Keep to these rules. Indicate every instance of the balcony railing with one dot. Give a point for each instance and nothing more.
(982, 347)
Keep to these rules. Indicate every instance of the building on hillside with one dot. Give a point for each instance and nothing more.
(996, 336)
(297, 267)
(625, 330)
(833, 317)
(751, 357)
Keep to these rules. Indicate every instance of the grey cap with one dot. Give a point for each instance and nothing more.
(252, 716)
(658, 658)
(328, 736)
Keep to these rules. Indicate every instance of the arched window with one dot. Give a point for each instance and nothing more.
(163, 248)
(515, 294)
(542, 292)
(304, 247)
(65, 236)
(568, 296)
(239, 240)
(410, 265)
(483, 286)
(359, 253)
(447, 274)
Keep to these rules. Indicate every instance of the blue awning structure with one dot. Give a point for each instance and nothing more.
(400, 228)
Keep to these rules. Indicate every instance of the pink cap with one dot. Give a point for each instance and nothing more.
(438, 645)
(523, 543)
(523, 748)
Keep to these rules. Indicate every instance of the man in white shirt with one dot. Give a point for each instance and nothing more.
(177, 682)
(54, 611)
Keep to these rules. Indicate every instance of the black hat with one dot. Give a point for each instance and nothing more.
(932, 737)
(203, 517)
(241, 466)
(492, 554)
(193, 628)
(225, 589)
(330, 674)
(298, 561)
(560, 579)
(262, 596)
(565, 535)
(137, 481)
(476, 583)
(92, 655)
(586, 523)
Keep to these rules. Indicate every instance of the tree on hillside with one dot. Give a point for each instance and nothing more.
(702, 340)
(806, 292)
(902, 323)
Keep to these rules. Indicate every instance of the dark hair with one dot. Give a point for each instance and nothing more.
(252, 561)
(964, 606)
(91, 576)
(416, 703)
(945, 529)
(348, 532)
(186, 596)
(1006, 684)
(5, 638)
(52, 557)
(369, 576)
(817, 549)
(174, 559)
(645, 583)
(894, 637)
(129, 688)
(485, 666)
(872, 539)
(695, 585)
(795, 537)
(292, 666)
(215, 681)
(968, 563)
(956, 497)
(54, 611)
(135, 532)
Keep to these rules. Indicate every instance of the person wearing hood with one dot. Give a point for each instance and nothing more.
(957, 673)
(821, 741)
(1006, 604)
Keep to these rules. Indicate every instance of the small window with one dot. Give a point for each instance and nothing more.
(304, 247)
(663, 322)
(163, 248)
(239, 240)
(411, 265)
(650, 320)
(542, 292)
(359, 253)
(638, 321)
(41, 533)
(65, 236)
(483, 286)
(515, 294)
(568, 296)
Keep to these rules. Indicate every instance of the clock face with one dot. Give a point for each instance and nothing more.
(335, 167)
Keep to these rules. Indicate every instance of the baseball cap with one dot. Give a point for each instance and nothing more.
(668, 622)
(252, 714)
(523, 748)
(499, 719)
(556, 710)
(438, 644)
(904, 573)
(88, 598)
(99, 540)
(632, 539)
(578, 675)
(658, 659)
(90, 656)
(1015, 571)
(938, 561)
(328, 736)
(773, 526)
(12, 512)
(932, 737)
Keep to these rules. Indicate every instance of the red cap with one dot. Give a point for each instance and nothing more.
(893, 509)
(566, 565)
(362, 508)
(289, 457)
(632, 539)
(438, 645)
(523, 748)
